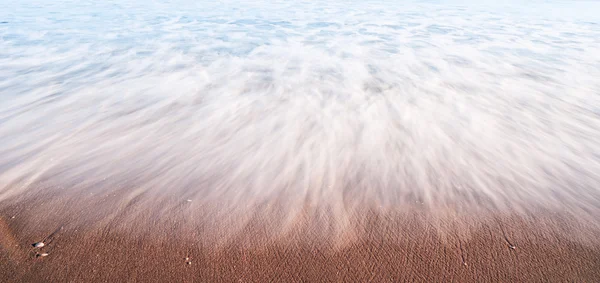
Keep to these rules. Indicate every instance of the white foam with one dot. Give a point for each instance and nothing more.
(358, 102)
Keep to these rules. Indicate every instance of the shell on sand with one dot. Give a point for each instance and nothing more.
(38, 244)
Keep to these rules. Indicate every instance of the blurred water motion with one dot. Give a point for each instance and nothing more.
(338, 102)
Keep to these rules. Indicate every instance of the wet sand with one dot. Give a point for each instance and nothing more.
(384, 246)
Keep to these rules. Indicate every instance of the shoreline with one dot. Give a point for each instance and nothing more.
(393, 246)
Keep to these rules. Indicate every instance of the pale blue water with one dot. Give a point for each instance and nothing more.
(389, 101)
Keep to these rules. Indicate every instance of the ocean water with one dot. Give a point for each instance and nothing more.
(332, 103)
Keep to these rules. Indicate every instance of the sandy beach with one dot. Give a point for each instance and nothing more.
(299, 141)
(375, 246)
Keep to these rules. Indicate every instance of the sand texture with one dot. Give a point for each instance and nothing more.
(375, 246)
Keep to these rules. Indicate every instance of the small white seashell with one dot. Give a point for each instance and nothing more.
(39, 244)
(42, 254)
(189, 262)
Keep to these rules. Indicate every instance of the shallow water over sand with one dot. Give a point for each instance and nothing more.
(331, 105)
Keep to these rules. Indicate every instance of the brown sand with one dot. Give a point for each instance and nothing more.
(384, 247)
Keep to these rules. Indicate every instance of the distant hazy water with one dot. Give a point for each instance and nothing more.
(344, 101)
